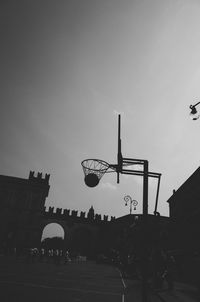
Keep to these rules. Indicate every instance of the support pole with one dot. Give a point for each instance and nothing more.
(119, 153)
(158, 187)
(144, 239)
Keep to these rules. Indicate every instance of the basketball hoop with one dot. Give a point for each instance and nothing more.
(93, 170)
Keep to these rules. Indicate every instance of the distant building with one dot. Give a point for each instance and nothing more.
(23, 218)
(184, 208)
(22, 202)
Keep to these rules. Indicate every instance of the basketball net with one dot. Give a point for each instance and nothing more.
(94, 166)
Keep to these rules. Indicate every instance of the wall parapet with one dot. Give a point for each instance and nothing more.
(39, 177)
(60, 213)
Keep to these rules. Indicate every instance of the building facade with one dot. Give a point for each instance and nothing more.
(24, 217)
(184, 206)
(22, 203)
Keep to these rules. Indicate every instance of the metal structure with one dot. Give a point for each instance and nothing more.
(194, 114)
(133, 202)
(94, 169)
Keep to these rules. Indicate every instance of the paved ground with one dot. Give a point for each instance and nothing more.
(83, 281)
(78, 282)
(181, 293)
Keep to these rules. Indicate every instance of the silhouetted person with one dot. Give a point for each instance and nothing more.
(57, 257)
(168, 275)
(158, 267)
(66, 256)
(42, 254)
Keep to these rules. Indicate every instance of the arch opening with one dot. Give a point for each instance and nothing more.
(53, 230)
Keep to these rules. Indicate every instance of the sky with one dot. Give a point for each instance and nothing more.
(68, 68)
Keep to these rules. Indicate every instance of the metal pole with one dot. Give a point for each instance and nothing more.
(145, 217)
(158, 187)
(196, 104)
(119, 153)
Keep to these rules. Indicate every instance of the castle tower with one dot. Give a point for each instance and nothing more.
(90, 214)
(22, 202)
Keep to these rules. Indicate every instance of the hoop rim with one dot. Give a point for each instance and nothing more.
(100, 161)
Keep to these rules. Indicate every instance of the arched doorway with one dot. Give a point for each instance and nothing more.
(53, 230)
(53, 237)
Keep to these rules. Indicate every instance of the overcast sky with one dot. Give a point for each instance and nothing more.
(68, 68)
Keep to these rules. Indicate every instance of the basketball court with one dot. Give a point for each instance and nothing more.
(82, 281)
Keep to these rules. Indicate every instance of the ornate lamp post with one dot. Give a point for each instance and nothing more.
(133, 202)
(94, 169)
(194, 112)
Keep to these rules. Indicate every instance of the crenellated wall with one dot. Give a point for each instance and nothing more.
(63, 214)
(24, 215)
(38, 177)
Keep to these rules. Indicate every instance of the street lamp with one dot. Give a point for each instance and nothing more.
(94, 169)
(194, 114)
(133, 202)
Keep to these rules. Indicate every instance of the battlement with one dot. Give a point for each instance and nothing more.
(38, 178)
(59, 213)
